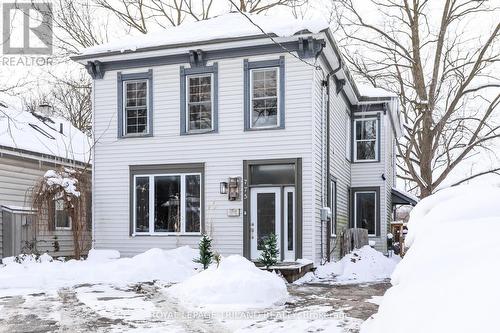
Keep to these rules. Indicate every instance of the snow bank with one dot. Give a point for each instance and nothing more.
(448, 280)
(360, 266)
(236, 284)
(102, 267)
(221, 27)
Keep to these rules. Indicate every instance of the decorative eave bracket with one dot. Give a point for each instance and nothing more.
(95, 69)
(310, 47)
(197, 58)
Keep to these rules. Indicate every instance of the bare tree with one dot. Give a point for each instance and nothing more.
(260, 6)
(443, 69)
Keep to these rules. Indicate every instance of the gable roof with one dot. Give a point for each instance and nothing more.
(227, 26)
(33, 133)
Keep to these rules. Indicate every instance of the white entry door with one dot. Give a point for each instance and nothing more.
(265, 217)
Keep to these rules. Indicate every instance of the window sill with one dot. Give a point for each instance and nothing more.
(252, 129)
(130, 136)
(62, 228)
(167, 234)
(212, 131)
(365, 161)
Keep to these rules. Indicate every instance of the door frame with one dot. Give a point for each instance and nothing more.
(298, 202)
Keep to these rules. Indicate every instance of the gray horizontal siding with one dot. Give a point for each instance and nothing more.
(223, 154)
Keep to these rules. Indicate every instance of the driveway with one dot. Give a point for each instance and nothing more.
(144, 308)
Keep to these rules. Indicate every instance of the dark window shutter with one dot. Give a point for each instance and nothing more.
(51, 215)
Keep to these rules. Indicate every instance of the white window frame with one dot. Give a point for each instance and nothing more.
(278, 92)
(55, 217)
(374, 205)
(333, 207)
(151, 231)
(355, 141)
(186, 92)
(124, 111)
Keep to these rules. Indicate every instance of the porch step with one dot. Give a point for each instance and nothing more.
(291, 271)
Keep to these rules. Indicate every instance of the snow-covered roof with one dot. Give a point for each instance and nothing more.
(38, 134)
(408, 195)
(227, 26)
(373, 92)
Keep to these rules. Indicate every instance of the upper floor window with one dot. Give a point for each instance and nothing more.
(366, 139)
(199, 99)
(264, 94)
(264, 104)
(136, 107)
(135, 104)
(199, 102)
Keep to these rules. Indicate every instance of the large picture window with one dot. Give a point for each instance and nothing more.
(199, 102)
(264, 97)
(366, 139)
(365, 211)
(167, 203)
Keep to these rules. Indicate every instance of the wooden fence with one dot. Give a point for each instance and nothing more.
(354, 238)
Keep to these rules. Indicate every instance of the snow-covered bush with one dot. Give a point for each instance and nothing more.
(448, 279)
(72, 188)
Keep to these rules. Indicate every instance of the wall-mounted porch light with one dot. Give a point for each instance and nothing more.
(223, 188)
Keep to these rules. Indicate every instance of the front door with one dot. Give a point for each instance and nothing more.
(265, 217)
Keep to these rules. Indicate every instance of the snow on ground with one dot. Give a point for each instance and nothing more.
(155, 264)
(359, 266)
(237, 284)
(448, 279)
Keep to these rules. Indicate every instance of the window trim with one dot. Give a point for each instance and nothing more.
(159, 170)
(198, 71)
(354, 150)
(263, 64)
(278, 113)
(121, 79)
(375, 190)
(124, 110)
(187, 77)
(333, 207)
(55, 218)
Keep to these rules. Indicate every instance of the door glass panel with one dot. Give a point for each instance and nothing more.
(289, 222)
(266, 217)
(279, 174)
(167, 204)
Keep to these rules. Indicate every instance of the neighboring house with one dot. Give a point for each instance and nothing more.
(31, 144)
(214, 127)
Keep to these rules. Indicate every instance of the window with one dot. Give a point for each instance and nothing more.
(135, 104)
(333, 207)
(264, 94)
(199, 102)
(347, 136)
(167, 203)
(269, 174)
(136, 107)
(62, 219)
(199, 99)
(264, 97)
(365, 210)
(365, 139)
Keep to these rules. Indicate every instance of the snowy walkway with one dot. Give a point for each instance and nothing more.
(144, 308)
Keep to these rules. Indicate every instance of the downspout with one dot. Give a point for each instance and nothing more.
(326, 84)
(92, 153)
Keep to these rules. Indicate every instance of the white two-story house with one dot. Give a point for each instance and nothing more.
(215, 127)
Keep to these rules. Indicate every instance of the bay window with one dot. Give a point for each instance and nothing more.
(167, 203)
